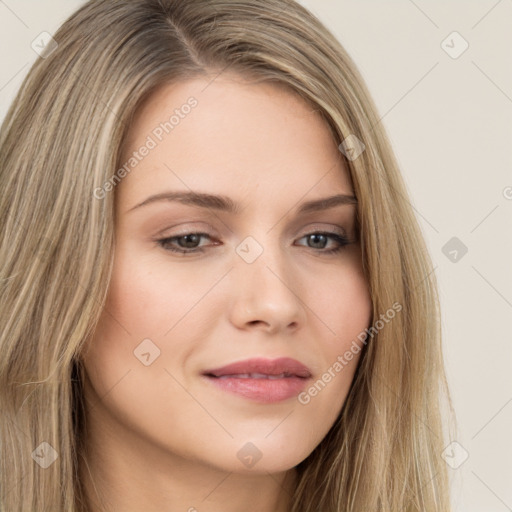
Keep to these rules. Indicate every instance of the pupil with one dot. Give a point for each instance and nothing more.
(190, 240)
(315, 239)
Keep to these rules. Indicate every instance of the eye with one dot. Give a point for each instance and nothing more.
(319, 239)
(189, 243)
(186, 243)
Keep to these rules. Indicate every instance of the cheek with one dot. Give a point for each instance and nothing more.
(345, 306)
(149, 299)
(150, 296)
(145, 302)
(352, 308)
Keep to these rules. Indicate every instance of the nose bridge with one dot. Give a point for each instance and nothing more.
(265, 288)
(264, 261)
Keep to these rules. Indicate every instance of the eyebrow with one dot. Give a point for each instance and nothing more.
(224, 203)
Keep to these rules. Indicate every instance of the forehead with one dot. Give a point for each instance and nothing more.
(231, 134)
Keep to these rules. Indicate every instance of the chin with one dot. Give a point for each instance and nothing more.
(260, 457)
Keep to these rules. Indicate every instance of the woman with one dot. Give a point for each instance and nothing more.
(215, 295)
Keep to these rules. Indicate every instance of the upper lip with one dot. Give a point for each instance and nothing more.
(286, 365)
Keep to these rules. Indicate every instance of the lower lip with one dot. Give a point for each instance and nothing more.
(261, 390)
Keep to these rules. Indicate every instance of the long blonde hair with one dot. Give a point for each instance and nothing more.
(62, 139)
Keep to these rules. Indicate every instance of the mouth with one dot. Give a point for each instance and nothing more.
(253, 376)
(261, 380)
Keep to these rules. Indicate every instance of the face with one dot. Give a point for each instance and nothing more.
(224, 255)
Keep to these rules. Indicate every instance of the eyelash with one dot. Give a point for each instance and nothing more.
(163, 242)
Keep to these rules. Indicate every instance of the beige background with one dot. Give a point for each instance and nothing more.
(449, 120)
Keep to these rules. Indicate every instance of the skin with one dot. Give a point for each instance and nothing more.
(159, 437)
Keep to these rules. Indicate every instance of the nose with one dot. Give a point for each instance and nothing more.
(266, 295)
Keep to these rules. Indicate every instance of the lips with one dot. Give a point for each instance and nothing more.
(261, 380)
(262, 368)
